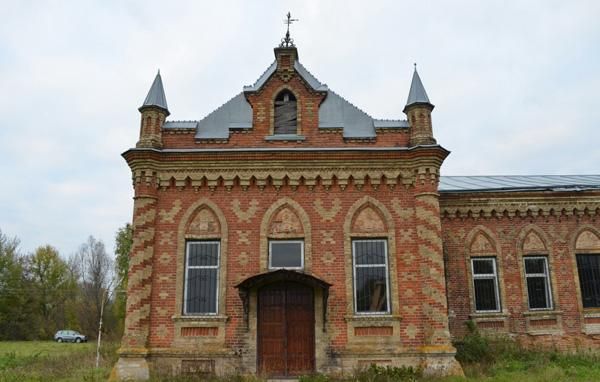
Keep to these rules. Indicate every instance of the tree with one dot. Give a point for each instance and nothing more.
(123, 244)
(54, 288)
(94, 268)
(16, 305)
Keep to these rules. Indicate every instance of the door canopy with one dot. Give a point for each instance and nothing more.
(281, 275)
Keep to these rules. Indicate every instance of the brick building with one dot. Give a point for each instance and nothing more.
(288, 232)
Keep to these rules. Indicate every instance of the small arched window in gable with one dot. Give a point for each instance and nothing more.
(285, 113)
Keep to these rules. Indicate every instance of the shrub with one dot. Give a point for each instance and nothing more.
(376, 373)
(474, 347)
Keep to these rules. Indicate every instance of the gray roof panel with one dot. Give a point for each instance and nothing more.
(390, 124)
(336, 112)
(501, 183)
(156, 95)
(262, 79)
(308, 77)
(234, 114)
(180, 125)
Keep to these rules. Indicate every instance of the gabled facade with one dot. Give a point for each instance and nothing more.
(289, 232)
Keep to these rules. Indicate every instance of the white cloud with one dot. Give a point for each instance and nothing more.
(514, 85)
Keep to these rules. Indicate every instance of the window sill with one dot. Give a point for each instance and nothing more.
(542, 313)
(591, 312)
(480, 315)
(373, 318)
(285, 137)
(199, 318)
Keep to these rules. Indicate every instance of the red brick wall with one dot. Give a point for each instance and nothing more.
(558, 232)
(164, 272)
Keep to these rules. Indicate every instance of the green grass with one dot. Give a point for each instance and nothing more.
(33, 361)
(500, 361)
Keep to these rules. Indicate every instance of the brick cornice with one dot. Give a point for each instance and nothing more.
(214, 168)
(520, 204)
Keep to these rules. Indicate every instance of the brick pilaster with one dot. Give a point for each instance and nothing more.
(430, 252)
(139, 286)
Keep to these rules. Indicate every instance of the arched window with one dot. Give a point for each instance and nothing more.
(587, 250)
(202, 263)
(285, 113)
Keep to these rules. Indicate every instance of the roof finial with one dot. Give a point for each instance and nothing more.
(415, 64)
(286, 42)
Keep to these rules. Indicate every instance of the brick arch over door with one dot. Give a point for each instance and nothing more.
(183, 233)
(265, 227)
(388, 232)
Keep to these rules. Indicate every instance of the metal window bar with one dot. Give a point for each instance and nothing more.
(588, 266)
(539, 289)
(206, 280)
(371, 266)
(485, 300)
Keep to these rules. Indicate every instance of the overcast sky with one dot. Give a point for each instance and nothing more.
(515, 84)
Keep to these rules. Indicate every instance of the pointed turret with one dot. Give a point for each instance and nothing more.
(418, 109)
(156, 95)
(154, 112)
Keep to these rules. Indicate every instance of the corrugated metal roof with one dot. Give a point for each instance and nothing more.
(156, 95)
(500, 183)
(417, 93)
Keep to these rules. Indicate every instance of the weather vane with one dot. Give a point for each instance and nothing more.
(287, 41)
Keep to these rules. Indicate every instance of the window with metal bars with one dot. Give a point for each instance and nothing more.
(485, 284)
(537, 278)
(588, 267)
(201, 292)
(371, 279)
(285, 113)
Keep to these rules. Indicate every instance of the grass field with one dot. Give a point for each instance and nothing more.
(33, 361)
(48, 361)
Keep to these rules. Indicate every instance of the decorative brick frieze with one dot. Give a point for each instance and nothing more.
(488, 206)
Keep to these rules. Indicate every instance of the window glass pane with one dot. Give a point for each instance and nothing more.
(369, 252)
(483, 266)
(538, 293)
(536, 265)
(286, 255)
(371, 290)
(589, 279)
(485, 294)
(202, 290)
(203, 254)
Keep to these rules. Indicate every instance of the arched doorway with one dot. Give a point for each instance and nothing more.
(286, 329)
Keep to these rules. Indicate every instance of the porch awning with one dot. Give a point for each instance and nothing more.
(257, 281)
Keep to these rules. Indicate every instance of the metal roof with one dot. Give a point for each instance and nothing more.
(234, 114)
(334, 112)
(501, 183)
(156, 95)
(417, 93)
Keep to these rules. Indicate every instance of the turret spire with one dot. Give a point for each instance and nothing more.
(418, 109)
(156, 95)
(417, 94)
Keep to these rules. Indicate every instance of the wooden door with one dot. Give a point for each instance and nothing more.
(286, 330)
